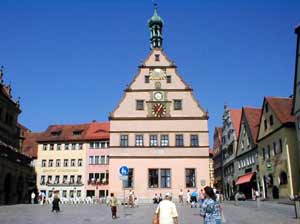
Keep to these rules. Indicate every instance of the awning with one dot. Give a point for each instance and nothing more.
(244, 179)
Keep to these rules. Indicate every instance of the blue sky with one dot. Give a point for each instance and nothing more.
(69, 61)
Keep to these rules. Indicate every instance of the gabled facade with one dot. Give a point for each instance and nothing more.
(277, 149)
(246, 162)
(296, 102)
(231, 126)
(218, 160)
(158, 129)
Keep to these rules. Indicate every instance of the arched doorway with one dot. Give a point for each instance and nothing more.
(7, 188)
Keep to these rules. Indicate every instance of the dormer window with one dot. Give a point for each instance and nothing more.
(56, 133)
(77, 132)
(157, 57)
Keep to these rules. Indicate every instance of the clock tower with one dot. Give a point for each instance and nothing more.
(158, 129)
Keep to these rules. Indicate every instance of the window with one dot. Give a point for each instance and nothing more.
(124, 141)
(49, 180)
(147, 78)
(43, 163)
(169, 79)
(77, 132)
(64, 193)
(190, 178)
(80, 146)
(44, 146)
(97, 145)
(72, 179)
(153, 178)
(283, 178)
(194, 140)
(73, 146)
(177, 104)
(267, 107)
(264, 153)
(165, 178)
(139, 104)
(274, 148)
(271, 120)
(66, 161)
(139, 140)
(91, 145)
(72, 162)
(79, 162)
(71, 194)
(78, 193)
(103, 145)
(280, 145)
(91, 160)
(51, 146)
(102, 159)
(65, 179)
(56, 180)
(96, 159)
(58, 147)
(79, 179)
(42, 182)
(107, 159)
(164, 140)
(153, 140)
(179, 140)
(57, 163)
(66, 146)
(129, 182)
(157, 57)
(266, 124)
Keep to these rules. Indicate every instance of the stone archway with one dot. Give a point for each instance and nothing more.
(7, 189)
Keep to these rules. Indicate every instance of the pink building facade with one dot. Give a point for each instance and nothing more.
(97, 157)
(158, 130)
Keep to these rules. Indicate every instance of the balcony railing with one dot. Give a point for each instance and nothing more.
(97, 183)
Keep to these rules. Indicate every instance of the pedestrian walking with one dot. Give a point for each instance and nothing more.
(131, 199)
(180, 196)
(160, 198)
(188, 197)
(32, 197)
(113, 205)
(210, 209)
(55, 203)
(201, 197)
(194, 197)
(166, 212)
(155, 199)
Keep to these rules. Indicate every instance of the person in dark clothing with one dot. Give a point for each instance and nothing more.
(55, 203)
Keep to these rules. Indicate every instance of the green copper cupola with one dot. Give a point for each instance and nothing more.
(155, 24)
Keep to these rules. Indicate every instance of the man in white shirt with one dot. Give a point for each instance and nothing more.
(167, 211)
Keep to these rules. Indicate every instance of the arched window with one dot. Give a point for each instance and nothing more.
(283, 178)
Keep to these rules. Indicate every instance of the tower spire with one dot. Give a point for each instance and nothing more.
(155, 24)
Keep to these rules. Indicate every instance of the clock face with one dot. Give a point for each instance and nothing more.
(159, 110)
(158, 95)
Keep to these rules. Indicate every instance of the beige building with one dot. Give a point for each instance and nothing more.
(158, 130)
(277, 149)
(61, 161)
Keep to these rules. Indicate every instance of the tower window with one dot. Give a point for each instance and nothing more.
(147, 79)
(157, 57)
(177, 104)
(140, 105)
(169, 80)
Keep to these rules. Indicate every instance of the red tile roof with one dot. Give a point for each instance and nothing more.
(282, 108)
(30, 145)
(97, 130)
(236, 115)
(253, 118)
(78, 132)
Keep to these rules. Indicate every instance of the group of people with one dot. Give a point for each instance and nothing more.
(210, 208)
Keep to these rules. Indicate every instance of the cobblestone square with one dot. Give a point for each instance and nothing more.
(244, 213)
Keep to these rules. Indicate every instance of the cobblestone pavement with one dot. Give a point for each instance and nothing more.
(244, 213)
